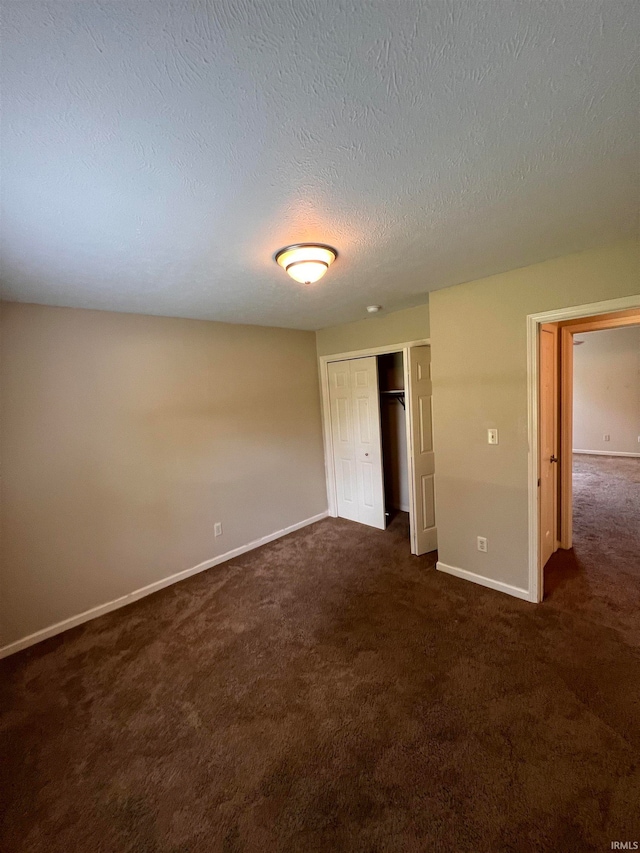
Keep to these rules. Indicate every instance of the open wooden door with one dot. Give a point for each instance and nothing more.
(548, 474)
(424, 534)
(356, 440)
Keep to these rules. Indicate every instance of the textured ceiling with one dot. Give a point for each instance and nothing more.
(156, 154)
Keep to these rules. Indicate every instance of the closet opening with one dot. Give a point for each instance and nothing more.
(393, 429)
(379, 440)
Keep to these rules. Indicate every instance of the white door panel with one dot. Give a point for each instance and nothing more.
(420, 395)
(346, 486)
(367, 485)
(428, 502)
(363, 430)
(342, 413)
(361, 376)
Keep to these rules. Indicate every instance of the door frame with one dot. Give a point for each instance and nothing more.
(329, 466)
(562, 316)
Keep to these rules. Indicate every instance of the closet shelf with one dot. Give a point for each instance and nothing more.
(398, 395)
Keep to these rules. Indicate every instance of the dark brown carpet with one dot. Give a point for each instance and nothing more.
(329, 692)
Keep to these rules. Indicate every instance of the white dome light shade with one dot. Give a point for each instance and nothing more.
(306, 262)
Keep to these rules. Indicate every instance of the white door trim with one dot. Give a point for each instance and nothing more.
(534, 321)
(323, 361)
(364, 353)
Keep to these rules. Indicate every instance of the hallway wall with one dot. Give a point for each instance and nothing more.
(606, 392)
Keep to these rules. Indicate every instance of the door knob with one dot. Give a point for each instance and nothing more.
(553, 459)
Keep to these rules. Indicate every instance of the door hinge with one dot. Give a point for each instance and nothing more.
(538, 482)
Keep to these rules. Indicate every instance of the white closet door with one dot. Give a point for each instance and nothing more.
(368, 444)
(420, 393)
(355, 432)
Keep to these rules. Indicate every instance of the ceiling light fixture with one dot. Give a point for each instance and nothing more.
(306, 262)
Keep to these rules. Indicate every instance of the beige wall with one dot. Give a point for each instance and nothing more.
(606, 391)
(411, 324)
(125, 437)
(478, 335)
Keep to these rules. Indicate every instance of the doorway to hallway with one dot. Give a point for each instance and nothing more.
(550, 366)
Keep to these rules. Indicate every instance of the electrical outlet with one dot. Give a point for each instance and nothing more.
(217, 529)
(482, 544)
(606, 437)
(492, 436)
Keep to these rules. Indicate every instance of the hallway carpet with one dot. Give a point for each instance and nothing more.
(328, 692)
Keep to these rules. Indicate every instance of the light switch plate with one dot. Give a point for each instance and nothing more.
(492, 436)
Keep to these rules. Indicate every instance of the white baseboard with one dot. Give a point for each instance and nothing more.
(515, 591)
(101, 609)
(606, 453)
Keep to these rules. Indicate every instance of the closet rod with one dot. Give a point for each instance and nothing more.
(396, 395)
